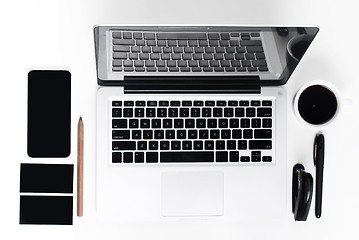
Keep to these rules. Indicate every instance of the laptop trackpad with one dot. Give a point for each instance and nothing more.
(192, 194)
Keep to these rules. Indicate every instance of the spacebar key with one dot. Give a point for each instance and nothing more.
(187, 157)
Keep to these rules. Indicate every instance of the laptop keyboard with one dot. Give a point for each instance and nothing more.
(161, 131)
(187, 52)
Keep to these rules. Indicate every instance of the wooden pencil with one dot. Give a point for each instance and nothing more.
(80, 159)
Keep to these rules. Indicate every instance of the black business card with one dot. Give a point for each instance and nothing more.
(46, 210)
(46, 178)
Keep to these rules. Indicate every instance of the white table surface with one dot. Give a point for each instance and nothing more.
(58, 34)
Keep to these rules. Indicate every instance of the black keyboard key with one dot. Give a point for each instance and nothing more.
(119, 123)
(255, 103)
(186, 157)
(153, 145)
(162, 112)
(263, 133)
(220, 145)
(170, 134)
(128, 103)
(266, 158)
(221, 156)
(150, 112)
(133, 123)
(181, 134)
(139, 157)
(260, 144)
(192, 134)
(147, 134)
(128, 112)
(266, 103)
(256, 123)
(116, 157)
(225, 134)
(228, 112)
(189, 123)
(123, 145)
(210, 103)
(151, 103)
(211, 123)
(242, 144)
(145, 123)
(234, 123)
(187, 103)
(203, 134)
(200, 123)
(184, 112)
(164, 145)
(214, 134)
(139, 112)
(231, 144)
(167, 123)
(156, 123)
(250, 112)
(178, 123)
(195, 112)
(186, 145)
(173, 112)
(245, 158)
(264, 112)
(223, 123)
(116, 112)
(175, 103)
(116, 103)
(234, 156)
(163, 103)
(256, 156)
(159, 134)
(128, 157)
(197, 145)
(198, 103)
(152, 157)
(206, 112)
(209, 145)
(142, 145)
(244, 103)
(121, 134)
(239, 112)
(247, 133)
(236, 134)
(136, 134)
(175, 145)
(267, 123)
(217, 112)
(245, 123)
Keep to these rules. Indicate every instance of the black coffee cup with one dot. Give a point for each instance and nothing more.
(316, 104)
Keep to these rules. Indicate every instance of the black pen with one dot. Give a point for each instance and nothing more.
(319, 164)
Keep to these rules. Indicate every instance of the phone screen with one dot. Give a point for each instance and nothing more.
(49, 113)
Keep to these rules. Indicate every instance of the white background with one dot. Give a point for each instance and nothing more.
(58, 35)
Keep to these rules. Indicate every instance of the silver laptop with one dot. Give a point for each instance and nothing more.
(191, 120)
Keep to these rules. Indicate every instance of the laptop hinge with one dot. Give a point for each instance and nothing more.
(192, 84)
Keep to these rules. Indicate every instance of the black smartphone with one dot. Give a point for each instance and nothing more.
(49, 113)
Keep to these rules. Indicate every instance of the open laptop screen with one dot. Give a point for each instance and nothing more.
(268, 54)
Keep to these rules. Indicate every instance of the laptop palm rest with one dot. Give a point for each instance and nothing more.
(191, 194)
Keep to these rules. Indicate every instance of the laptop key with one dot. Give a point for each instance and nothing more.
(186, 157)
(139, 157)
(128, 157)
(151, 157)
(260, 144)
(123, 145)
(119, 123)
(121, 134)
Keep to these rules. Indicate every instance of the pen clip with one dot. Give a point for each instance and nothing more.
(315, 150)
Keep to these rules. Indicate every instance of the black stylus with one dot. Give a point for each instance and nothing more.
(319, 164)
